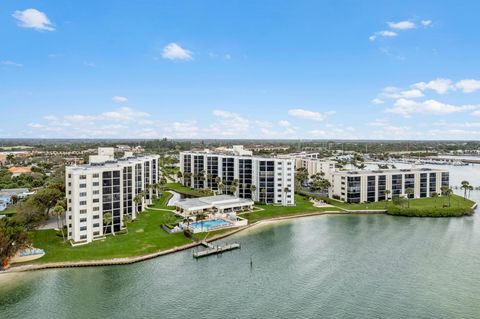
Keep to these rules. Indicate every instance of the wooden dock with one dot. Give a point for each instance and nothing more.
(213, 250)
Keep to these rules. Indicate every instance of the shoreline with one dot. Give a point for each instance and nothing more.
(136, 259)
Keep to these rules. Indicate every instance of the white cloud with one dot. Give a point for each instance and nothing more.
(468, 85)
(284, 123)
(396, 93)
(11, 63)
(125, 114)
(401, 25)
(119, 99)
(310, 115)
(411, 93)
(407, 107)
(426, 23)
(174, 51)
(377, 101)
(439, 85)
(89, 64)
(383, 33)
(32, 18)
(229, 124)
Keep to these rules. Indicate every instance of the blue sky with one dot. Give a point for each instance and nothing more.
(240, 69)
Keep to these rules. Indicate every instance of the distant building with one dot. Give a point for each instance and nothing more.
(273, 178)
(369, 186)
(107, 185)
(18, 170)
(313, 164)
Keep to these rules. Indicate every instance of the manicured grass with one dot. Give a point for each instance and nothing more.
(303, 206)
(179, 188)
(456, 201)
(144, 236)
(162, 201)
(419, 207)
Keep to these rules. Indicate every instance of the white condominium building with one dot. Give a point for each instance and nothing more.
(312, 163)
(107, 185)
(370, 186)
(269, 180)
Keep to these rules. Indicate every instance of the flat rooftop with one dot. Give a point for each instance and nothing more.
(117, 163)
(389, 171)
(218, 201)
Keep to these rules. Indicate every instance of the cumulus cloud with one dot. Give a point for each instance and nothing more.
(229, 124)
(383, 33)
(439, 85)
(468, 85)
(310, 115)
(32, 18)
(407, 107)
(377, 101)
(119, 99)
(401, 25)
(173, 51)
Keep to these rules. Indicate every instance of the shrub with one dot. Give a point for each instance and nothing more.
(431, 212)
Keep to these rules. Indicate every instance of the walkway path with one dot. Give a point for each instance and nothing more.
(174, 199)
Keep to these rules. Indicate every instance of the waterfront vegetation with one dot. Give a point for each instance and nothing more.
(145, 235)
(444, 206)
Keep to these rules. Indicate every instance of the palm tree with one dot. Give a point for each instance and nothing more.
(449, 194)
(253, 189)
(386, 193)
(434, 195)
(470, 189)
(233, 189)
(179, 175)
(127, 219)
(58, 212)
(465, 186)
(409, 191)
(264, 192)
(107, 220)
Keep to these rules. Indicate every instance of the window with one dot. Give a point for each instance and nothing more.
(97, 192)
(83, 211)
(96, 225)
(83, 237)
(83, 202)
(96, 233)
(95, 175)
(83, 228)
(83, 185)
(69, 175)
(96, 216)
(83, 194)
(83, 220)
(96, 184)
(95, 209)
(83, 176)
(96, 200)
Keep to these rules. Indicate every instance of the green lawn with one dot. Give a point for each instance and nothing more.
(179, 188)
(162, 201)
(144, 236)
(456, 201)
(303, 206)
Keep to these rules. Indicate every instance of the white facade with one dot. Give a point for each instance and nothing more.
(111, 186)
(273, 178)
(370, 186)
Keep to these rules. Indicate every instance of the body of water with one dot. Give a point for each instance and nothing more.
(317, 267)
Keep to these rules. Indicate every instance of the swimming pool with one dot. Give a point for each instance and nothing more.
(206, 225)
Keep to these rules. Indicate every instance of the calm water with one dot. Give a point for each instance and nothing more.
(326, 266)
